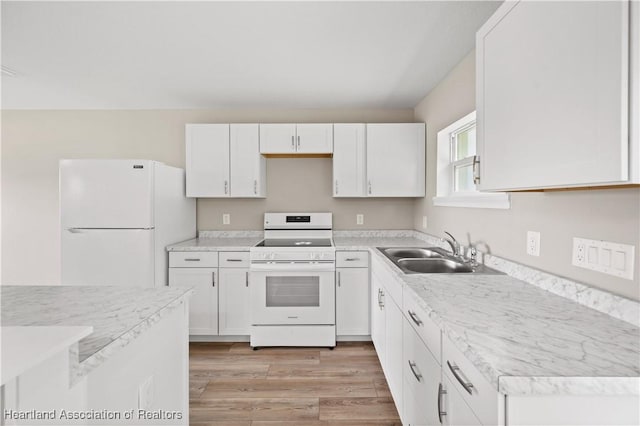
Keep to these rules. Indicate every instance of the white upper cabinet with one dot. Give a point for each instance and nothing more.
(248, 168)
(314, 138)
(553, 95)
(395, 160)
(278, 138)
(207, 160)
(223, 160)
(349, 173)
(296, 138)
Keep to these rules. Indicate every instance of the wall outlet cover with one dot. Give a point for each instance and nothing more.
(533, 243)
(424, 222)
(359, 219)
(226, 219)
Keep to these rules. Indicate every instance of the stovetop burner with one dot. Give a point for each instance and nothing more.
(295, 242)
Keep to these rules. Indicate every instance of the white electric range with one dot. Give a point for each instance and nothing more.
(293, 282)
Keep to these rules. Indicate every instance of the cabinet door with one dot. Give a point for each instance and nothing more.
(234, 301)
(553, 114)
(314, 138)
(203, 305)
(248, 167)
(207, 160)
(395, 160)
(352, 301)
(422, 378)
(394, 361)
(349, 173)
(277, 138)
(378, 314)
(457, 411)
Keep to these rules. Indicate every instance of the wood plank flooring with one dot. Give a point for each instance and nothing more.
(232, 385)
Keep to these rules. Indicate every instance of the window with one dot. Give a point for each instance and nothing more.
(456, 168)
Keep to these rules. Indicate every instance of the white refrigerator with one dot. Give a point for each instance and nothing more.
(117, 217)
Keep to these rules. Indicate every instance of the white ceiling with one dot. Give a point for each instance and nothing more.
(157, 55)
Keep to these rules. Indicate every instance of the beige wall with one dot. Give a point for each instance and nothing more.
(612, 215)
(34, 141)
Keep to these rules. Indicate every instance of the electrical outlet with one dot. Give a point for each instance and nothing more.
(533, 243)
(359, 219)
(146, 394)
(226, 219)
(424, 222)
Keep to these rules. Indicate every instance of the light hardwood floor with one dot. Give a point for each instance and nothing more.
(232, 385)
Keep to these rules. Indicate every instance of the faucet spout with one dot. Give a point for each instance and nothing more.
(453, 243)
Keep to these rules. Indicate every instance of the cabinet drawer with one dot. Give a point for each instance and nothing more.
(428, 331)
(479, 394)
(421, 373)
(193, 259)
(352, 259)
(234, 259)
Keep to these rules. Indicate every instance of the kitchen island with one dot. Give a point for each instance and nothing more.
(132, 368)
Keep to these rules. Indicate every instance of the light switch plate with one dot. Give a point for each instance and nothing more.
(603, 256)
(424, 222)
(359, 219)
(226, 219)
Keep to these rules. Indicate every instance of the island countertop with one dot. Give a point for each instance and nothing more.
(117, 314)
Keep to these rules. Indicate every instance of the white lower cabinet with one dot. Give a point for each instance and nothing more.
(234, 301)
(455, 412)
(352, 301)
(393, 338)
(481, 396)
(203, 306)
(378, 318)
(233, 306)
(220, 303)
(352, 293)
(421, 391)
(386, 330)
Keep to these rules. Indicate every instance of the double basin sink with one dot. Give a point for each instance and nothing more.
(431, 260)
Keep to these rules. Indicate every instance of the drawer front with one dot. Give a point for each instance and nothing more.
(428, 331)
(352, 259)
(193, 259)
(481, 397)
(234, 259)
(422, 379)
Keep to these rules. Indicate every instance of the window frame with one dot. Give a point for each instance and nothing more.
(445, 172)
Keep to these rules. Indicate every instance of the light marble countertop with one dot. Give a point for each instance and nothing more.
(117, 314)
(525, 340)
(216, 244)
(25, 347)
(522, 338)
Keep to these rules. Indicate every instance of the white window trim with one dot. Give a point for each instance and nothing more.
(444, 175)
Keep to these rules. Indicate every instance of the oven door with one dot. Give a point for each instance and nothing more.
(292, 297)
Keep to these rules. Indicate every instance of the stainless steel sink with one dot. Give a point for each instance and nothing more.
(433, 266)
(431, 260)
(415, 253)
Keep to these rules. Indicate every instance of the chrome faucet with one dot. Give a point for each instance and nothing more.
(455, 245)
